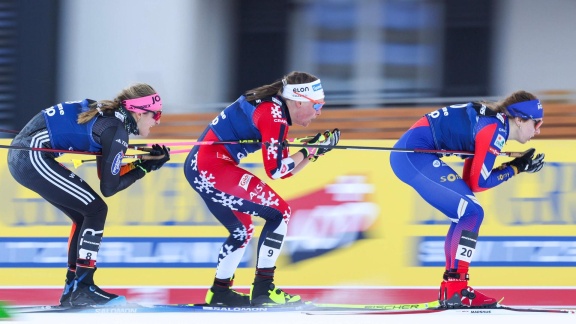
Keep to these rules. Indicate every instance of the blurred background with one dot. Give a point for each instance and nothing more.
(383, 63)
(201, 55)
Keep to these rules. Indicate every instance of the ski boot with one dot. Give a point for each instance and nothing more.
(455, 293)
(66, 293)
(265, 293)
(68, 287)
(222, 294)
(91, 295)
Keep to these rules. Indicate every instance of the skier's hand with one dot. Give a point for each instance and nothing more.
(527, 162)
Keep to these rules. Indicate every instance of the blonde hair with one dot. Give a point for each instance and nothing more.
(134, 91)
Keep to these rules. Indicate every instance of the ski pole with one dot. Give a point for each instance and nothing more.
(192, 143)
(340, 147)
(405, 150)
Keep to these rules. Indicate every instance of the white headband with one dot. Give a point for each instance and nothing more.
(312, 90)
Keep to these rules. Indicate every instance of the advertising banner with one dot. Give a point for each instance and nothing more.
(353, 224)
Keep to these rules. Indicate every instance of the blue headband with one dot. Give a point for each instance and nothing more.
(527, 109)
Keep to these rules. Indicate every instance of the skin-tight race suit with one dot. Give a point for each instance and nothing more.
(233, 194)
(56, 128)
(458, 128)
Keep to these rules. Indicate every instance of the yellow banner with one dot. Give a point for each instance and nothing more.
(353, 223)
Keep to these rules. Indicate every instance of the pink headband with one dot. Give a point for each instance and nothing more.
(148, 103)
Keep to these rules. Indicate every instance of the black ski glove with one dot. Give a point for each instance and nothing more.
(527, 162)
(155, 164)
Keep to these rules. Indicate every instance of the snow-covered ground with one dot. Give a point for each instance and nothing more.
(292, 318)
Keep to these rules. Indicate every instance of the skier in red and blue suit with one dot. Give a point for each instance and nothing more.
(482, 128)
(234, 195)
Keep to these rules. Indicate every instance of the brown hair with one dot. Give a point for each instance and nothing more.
(274, 88)
(134, 91)
(518, 96)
